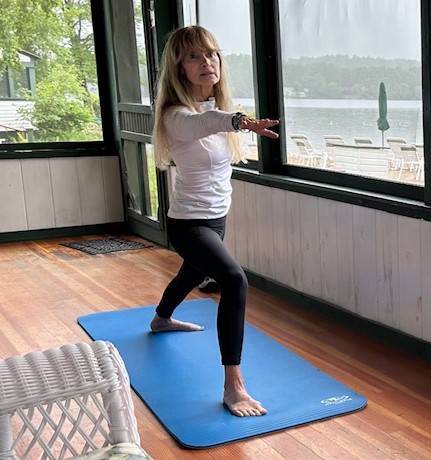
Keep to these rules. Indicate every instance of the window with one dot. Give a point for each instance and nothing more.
(52, 71)
(4, 86)
(23, 80)
(338, 58)
(233, 34)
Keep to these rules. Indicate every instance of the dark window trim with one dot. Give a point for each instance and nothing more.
(51, 150)
(380, 201)
(107, 96)
(266, 49)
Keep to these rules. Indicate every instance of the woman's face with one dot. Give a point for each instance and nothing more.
(202, 70)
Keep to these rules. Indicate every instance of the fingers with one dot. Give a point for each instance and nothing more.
(261, 126)
(267, 133)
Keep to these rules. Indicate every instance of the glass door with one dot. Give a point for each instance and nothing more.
(145, 186)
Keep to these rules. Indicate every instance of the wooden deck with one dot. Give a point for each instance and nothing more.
(45, 286)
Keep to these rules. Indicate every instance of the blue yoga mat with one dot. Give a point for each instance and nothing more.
(179, 376)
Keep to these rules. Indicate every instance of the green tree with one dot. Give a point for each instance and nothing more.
(60, 33)
(30, 25)
(59, 113)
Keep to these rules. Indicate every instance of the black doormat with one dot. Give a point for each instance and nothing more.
(105, 245)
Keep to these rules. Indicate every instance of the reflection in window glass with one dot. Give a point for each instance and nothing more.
(335, 55)
(142, 54)
(130, 150)
(4, 85)
(233, 34)
(52, 66)
(23, 80)
(153, 207)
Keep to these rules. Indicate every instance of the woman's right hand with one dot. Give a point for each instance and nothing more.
(259, 126)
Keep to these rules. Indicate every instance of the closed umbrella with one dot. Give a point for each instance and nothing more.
(382, 122)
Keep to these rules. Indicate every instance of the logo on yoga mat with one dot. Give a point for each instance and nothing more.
(335, 400)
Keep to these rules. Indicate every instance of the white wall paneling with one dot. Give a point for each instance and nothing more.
(410, 276)
(112, 189)
(251, 233)
(328, 250)
(91, 190)
(279, 234)
(346, 272)
(388, 276)
(310, 245)
(12, 211)
(240, 224)
(426, 279)
(366, 261)
(43, 193)
(293, 235)
(39, 204)
(265, 236)
(65, 190)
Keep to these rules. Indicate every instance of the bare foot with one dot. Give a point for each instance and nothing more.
(236, 398)
(168, 325)
(241, 404)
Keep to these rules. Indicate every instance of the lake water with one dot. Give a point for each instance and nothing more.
(348, 118)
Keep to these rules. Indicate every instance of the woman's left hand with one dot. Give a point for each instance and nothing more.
(259, 126)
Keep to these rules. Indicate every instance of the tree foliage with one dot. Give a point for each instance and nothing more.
(60, 33)
(343, 77)
(335, 77)
(59, 113)
(30, 25)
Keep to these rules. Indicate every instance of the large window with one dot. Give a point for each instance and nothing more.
(58, 99)
(233, 34)
(352, 97)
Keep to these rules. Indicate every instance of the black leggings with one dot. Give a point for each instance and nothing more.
(200, 243)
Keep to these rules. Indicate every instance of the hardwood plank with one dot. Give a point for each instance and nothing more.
(45, 286)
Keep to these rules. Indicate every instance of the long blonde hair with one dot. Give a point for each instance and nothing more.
(174, 89)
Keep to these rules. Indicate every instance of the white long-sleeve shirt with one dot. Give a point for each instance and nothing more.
(199, 147)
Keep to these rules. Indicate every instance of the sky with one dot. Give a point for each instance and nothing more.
(376, 28)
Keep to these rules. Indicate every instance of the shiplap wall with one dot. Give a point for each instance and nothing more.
(46, 193)
(372, 263)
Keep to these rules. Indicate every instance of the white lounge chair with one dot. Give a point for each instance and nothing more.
(307, 154)
(396, 157)
(363, 141)
(412, 160)
(333, 139)
(66, 402)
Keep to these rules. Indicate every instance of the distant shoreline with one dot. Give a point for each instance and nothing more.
(337, 103)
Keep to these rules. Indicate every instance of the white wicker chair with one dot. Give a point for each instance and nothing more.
(65, 402)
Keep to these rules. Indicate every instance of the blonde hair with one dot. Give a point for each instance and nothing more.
(174, 89)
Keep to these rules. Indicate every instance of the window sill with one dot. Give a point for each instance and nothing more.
(383, 202)
(54, 150)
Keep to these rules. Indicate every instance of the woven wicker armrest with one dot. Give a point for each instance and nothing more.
(64, 402)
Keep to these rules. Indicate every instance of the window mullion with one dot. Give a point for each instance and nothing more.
(267, 77)
(426, 95)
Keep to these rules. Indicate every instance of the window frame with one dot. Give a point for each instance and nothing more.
(392, 196)
(109, 145)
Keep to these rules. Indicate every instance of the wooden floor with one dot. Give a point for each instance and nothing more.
(45, 286)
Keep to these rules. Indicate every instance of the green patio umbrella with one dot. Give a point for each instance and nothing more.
(382, 122)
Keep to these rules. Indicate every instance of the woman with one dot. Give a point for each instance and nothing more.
(197, 129)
